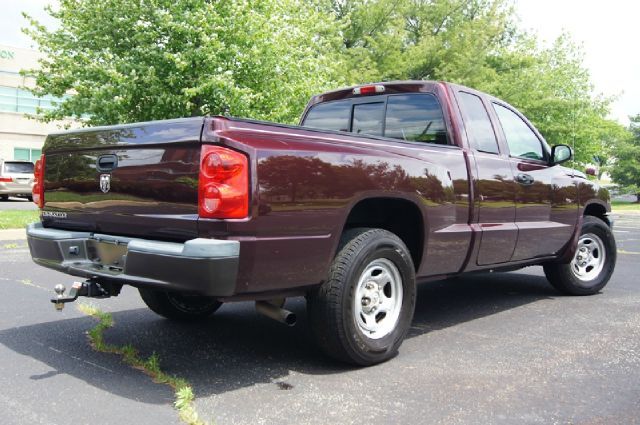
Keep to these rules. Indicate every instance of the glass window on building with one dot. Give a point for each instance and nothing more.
(26, 154)
(8, 99)
(13, 99)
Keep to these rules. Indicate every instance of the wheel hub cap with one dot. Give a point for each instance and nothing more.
(378, 299)
(589, 258)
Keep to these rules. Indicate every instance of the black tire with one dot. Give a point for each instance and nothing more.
(30, 198)
(331, 307)
(175, 306)
(4, 197)
(567, 279)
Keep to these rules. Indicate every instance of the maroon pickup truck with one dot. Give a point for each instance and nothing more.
(381, 187)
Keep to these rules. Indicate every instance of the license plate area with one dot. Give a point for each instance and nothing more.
(109, 254)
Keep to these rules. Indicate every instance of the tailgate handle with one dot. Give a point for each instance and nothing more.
(107, 163)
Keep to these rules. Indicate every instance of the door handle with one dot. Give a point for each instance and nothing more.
(525, 179)
(107, 163)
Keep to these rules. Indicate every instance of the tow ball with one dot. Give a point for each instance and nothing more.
(89, 288)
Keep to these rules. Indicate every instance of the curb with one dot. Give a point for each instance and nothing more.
(13, 234)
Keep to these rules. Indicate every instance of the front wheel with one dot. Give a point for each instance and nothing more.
(592, 265)
(176, 306)
(363, 311)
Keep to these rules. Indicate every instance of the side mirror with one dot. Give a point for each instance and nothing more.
(560, 154)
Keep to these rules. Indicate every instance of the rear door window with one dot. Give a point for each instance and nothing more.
(415, 117)
(480, 131)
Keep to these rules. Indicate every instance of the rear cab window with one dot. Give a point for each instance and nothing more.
(368, 118)
(415, 117)
(330, 116)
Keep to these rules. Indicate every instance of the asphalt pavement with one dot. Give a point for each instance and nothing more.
(15, 203)
(498, 348)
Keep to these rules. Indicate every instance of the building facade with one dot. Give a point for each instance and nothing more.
(21, 137)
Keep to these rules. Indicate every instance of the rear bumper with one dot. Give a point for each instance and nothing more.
(200, 266)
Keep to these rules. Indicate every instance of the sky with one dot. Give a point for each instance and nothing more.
(609, 32)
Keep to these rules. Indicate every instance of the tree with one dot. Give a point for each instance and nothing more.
(551, 86)
(137, 60)
(477, 43)
(419, 39)
(626, 170)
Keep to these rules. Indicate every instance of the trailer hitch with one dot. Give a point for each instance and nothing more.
(89, 288)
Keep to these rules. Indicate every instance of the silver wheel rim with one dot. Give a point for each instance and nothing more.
(378, 299)
(589, 259)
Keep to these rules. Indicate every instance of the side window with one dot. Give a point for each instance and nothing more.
(367, 118)
(415, 117)
(478, 123)
(521, 139)
(329, 116)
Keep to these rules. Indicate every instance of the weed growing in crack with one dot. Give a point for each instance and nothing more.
(184, 402)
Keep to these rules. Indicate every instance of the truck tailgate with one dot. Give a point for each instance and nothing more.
(131, 180)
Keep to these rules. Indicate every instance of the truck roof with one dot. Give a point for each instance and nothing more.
(407, 86)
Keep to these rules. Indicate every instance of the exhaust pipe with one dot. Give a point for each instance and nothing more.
(275, 312)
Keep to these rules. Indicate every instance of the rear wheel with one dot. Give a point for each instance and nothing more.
(592, 265)
(4, 197)
(363, 311)
(176, 306)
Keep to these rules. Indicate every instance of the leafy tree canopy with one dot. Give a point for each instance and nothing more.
(134, 60)
(477, 43)
(626, 170)
(137, 60)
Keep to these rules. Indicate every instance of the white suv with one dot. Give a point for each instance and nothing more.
(16, 179)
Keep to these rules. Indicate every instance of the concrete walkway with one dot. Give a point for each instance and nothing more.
(13, 234)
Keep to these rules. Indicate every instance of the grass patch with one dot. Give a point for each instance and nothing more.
(150, 366)
(625, 206)
(13, 219)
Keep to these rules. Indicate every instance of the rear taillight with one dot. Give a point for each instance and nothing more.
(223, 187)
(6, 179)
(37, 191)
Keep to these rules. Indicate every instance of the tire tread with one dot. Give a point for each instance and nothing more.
(158, 302)
(561, 277)
(325, 304)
